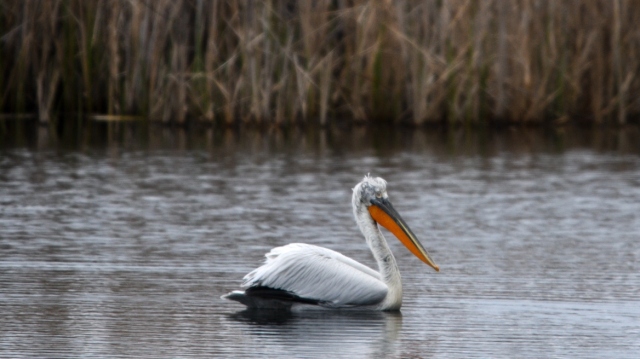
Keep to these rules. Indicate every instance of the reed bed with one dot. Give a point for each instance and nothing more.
(280, 62)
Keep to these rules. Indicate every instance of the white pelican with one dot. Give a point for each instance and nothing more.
(304, 273)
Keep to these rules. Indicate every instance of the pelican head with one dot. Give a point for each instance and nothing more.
(371, 194)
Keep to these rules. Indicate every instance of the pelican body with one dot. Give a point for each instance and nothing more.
(308, 274)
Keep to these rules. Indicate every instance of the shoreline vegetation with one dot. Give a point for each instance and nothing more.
(278, 62)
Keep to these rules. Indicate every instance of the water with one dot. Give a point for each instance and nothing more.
(121, 246)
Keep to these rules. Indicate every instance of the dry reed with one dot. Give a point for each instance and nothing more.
(279, 61)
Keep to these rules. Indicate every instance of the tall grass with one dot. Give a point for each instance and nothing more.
(278, 61)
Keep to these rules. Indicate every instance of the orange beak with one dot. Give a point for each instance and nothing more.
(383, 212)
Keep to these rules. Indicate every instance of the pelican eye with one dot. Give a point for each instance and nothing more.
(378, 195)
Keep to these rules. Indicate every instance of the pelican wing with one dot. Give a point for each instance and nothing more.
(320, 274)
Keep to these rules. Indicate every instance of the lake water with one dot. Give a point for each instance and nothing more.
(120, 241)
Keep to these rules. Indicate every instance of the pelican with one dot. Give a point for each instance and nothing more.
(304, 273)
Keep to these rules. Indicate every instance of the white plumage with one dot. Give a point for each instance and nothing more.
(304, 273)
(306, 270)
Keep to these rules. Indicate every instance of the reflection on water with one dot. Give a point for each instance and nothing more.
(317, 333)
(461, 141)
(121, 245)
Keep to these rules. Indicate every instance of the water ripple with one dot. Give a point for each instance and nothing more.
(127, 256)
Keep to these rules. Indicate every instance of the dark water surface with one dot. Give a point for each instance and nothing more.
(121, 245)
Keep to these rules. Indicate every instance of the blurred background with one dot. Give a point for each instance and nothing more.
(321, 62)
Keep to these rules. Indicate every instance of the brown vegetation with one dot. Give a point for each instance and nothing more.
(279, 61)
